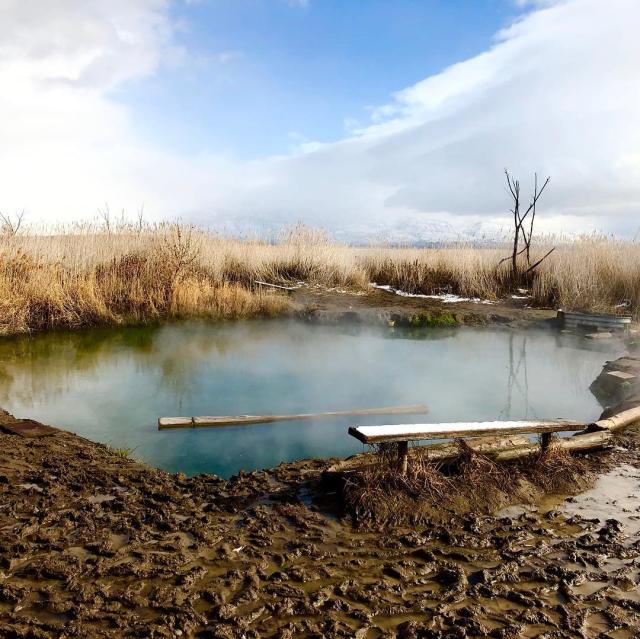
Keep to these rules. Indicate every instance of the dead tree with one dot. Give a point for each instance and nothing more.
(105, 215)
(10, 224)
(523, 233)
(140, 220)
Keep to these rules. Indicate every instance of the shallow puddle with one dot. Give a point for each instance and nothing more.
(616, 495)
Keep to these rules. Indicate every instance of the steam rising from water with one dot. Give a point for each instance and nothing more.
(112, 385)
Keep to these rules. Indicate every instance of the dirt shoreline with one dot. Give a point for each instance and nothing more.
(372, 307)
(96, 545)
(381, 307)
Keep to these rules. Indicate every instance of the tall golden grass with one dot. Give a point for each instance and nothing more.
(86, 276)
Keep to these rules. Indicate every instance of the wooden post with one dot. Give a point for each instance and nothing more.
(545, 440)
(403, 455)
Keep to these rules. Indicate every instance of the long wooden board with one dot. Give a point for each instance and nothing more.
(278, 286)
(411, 432)
(165, 423)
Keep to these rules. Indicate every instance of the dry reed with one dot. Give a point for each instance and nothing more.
(83, 276)
(556, 470)
(381, 495)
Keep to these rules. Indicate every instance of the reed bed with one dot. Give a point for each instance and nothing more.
(86, 275)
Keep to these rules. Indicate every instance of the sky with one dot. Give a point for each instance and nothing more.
(376, 118)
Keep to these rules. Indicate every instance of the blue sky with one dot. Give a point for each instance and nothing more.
(390, 119)
(265, 75)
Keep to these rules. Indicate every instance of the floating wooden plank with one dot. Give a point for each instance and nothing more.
(411, 432)
(174, 422)
(245, 420)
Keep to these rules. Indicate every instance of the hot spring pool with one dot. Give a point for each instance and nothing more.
(111, 385)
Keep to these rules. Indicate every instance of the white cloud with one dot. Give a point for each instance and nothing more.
(557, 93)
(84, 43)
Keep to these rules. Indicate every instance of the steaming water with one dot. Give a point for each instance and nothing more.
(111, 385)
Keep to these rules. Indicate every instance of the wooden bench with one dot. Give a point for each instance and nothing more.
(402, 434)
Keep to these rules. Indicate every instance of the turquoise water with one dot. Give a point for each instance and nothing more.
(111, 385)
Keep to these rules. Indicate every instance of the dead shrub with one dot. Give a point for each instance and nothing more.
(381, 495)
(484, 483)
(555, 469)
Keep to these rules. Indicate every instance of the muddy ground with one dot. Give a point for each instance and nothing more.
(93, 544)
(96, 545)
(380, 307)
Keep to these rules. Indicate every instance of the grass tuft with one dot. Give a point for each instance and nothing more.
(380, 495)
(556, 470)
(124, 453)
(488, 483)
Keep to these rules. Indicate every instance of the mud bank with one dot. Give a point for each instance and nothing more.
(378, 307)
(96, 545)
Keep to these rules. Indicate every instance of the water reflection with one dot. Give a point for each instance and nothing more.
(518, 377)
(111, 385)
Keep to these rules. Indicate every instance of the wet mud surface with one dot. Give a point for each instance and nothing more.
(96, 545)
(382, 307)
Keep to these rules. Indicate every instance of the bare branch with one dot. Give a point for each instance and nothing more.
(542, 259)
(105, 214)
(140, 221)
(11, 224)
(520, 232)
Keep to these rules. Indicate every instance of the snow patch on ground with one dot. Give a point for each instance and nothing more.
(447, 298)
(424, 431)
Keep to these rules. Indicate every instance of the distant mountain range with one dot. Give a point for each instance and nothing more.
(416, 230)
(421, 231)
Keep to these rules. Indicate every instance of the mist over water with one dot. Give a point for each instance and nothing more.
(111, 385)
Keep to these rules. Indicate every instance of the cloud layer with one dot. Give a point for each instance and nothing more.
(557, 93)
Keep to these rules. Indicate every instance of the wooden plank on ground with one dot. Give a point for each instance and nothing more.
(278, 286)
(503, 449)
(27, 428)
(620, 376)
(437, 453)
(411, 432)
(619, 421)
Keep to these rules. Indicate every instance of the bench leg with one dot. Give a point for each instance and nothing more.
(545, 440)
(403, 456)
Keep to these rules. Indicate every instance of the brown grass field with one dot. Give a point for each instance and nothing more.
(87, 276)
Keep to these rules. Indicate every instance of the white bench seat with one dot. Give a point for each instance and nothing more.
(414, 432)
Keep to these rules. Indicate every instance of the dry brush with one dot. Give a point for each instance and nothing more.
(84, 276)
